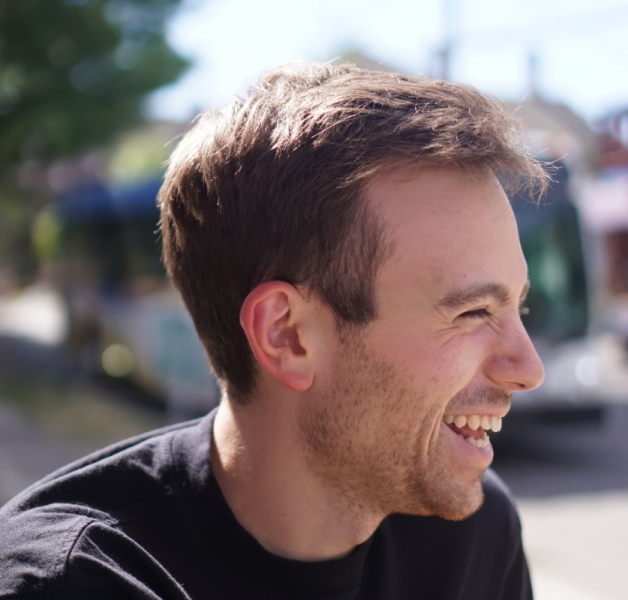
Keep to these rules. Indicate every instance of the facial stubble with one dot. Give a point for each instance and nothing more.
(375, 438)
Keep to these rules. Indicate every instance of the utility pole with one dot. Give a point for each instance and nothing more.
(533, 74)
(450, 12)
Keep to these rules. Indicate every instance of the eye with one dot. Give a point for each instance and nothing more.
(524, 310)
(478, 313)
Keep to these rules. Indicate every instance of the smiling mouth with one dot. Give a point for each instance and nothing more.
(473, 428)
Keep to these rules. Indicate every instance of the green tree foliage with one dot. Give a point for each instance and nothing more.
(73, 77)
(73, 73)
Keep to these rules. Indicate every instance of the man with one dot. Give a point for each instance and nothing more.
(345, 247)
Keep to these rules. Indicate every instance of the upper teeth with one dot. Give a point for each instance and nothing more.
(474, 421)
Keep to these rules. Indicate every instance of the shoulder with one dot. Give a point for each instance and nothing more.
(107, 477)
(75, 521)
(63, 552)
(496, 522)
(507, 573)
(35, 546)
(499, 507)
(495, 527)
(483, 553)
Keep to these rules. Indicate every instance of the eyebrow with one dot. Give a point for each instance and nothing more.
(461, 298)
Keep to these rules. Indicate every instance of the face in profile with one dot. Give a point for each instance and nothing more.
(385, 425)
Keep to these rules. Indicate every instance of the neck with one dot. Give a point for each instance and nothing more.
(258, 461)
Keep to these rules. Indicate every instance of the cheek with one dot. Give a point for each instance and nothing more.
(462, 359)
(437, 368)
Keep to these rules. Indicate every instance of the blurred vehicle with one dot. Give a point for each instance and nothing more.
(584, 365)
(125, 319)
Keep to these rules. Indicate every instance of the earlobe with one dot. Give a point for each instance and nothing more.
(272, 318)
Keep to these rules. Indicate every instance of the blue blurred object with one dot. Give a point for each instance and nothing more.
(92, 201)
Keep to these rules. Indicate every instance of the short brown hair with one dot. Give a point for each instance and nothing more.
(270, 188)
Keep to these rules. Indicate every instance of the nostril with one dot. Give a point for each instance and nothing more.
(515, 373)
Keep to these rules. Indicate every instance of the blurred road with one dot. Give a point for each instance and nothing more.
(571, 485)
(59, 416)
(27, 453)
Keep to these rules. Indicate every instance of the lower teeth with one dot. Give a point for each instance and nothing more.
(481, 443)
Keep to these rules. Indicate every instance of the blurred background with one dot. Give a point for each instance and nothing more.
(94, 344)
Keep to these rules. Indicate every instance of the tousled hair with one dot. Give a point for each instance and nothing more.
(271, 187)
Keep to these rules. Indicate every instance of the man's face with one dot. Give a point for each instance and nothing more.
(448, 342)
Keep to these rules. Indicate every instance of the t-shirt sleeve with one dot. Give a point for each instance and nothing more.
(51, 555)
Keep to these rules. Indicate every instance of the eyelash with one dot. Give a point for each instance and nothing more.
(482, 313)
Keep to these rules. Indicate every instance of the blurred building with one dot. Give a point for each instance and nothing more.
(605, 203)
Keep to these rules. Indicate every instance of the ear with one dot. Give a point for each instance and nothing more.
(274, 318)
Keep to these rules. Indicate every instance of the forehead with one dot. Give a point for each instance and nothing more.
(436, 191)
(448, 226)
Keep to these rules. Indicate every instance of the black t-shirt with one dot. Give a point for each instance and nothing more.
(145, 519)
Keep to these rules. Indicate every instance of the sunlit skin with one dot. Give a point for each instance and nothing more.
(346, 429)
(448, 339)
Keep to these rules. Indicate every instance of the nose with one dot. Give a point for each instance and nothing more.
(515, 364)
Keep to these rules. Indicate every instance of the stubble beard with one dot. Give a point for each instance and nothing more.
(366, 438)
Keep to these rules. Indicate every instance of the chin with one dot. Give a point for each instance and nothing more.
(463, 512)
(463, 506)
(447, 500)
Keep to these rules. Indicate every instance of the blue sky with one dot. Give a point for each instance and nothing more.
(581, 46)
